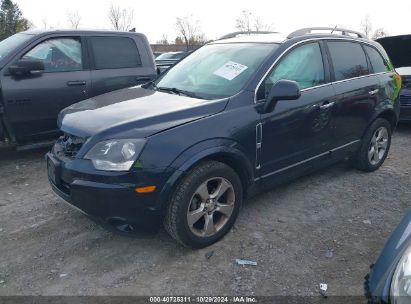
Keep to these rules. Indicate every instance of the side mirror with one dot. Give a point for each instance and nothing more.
(26, 67)
(282, 90)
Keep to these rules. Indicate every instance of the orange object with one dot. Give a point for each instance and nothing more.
(147, 189)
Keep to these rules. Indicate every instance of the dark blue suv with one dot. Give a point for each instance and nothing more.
(234, 118)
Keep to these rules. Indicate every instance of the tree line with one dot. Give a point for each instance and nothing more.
(188, 29)
(11, 19)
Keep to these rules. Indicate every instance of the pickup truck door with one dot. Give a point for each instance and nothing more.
(119, 62)
(32, 102)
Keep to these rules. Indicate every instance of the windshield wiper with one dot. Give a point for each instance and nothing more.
(178, 92)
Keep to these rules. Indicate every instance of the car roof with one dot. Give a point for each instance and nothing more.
(78, 32)
(276, 37)
(281, 38)
(254, 38)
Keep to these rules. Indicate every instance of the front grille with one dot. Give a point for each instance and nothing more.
(405, 100)
(67, 146)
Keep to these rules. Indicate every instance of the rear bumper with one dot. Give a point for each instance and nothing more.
(109, 198)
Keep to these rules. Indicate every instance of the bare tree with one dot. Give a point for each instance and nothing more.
(163, 40)
(379, 33)
(259, 25)
(120, 19)
(44, 21)
(73, 18)
(189, 31)
(243, 23)
(366, 26)
(247, 23)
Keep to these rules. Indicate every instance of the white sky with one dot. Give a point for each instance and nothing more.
(217, 17)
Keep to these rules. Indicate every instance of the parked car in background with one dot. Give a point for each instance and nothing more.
(390, 278)
(398, 49)
(42, 72)
(234, 118)
(165, 60)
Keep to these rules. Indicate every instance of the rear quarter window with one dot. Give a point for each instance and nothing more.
(114, 53)
(377, 61)
(348, 59)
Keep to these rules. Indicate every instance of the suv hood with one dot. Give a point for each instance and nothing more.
(145, 111)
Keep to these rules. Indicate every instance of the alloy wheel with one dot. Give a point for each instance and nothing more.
(378, 146)
(211, 207)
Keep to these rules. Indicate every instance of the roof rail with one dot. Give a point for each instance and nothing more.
(235, 34)
(309, 30)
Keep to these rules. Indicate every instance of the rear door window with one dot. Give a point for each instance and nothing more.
(377, 61)
(114, 53)
(349, 60)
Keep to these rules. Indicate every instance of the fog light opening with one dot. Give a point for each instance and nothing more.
(120, 224)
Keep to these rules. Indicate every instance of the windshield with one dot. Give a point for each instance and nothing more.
(9, 44)
(216, 70)
(170, 56)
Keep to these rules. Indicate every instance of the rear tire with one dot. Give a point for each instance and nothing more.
(374, 146)
(205, 205)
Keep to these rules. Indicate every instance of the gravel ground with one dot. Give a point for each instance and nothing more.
(324, 228)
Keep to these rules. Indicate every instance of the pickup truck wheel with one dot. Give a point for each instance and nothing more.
(374, 147)
(204, 205)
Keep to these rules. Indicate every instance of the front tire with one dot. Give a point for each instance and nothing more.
(205, 205)
(374, 147)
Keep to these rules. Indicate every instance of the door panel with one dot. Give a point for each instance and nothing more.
(114, 79)
(33, 104)
(116, 64)
(355, 103)
(297, 130)
(32, 101)
(357, 90)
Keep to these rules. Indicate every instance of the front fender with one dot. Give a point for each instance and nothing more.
(211, 149)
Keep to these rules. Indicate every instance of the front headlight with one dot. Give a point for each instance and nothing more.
(401, 281)
(115, 154)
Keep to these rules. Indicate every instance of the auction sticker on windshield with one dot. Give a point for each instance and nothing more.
(230, 70)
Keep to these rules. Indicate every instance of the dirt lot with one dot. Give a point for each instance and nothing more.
(327, 227)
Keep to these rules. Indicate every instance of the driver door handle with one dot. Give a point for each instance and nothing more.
(76, 83)
(373, 92)
(327, 105)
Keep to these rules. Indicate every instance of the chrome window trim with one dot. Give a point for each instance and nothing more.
(321, 85)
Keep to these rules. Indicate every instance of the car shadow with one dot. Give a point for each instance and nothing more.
(403, 128)
(304, 181)
(14, 155)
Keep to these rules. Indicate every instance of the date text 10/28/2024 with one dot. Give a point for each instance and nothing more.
(204, 299)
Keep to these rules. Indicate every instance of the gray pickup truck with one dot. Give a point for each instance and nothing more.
(42, 72)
